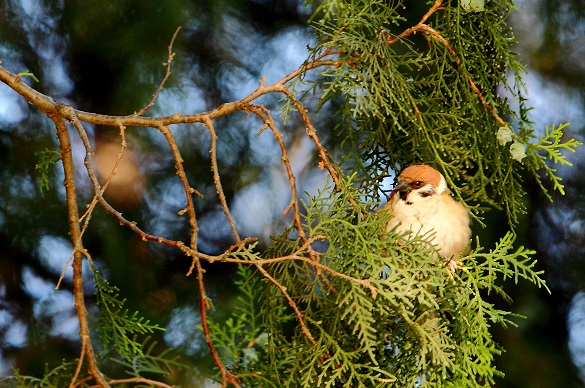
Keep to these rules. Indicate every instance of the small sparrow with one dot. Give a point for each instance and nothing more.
(421, 203)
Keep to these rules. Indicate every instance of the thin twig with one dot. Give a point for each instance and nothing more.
(264, 114)
(217, 179)
(79, 365)
(489, 107)
(291, 302)
(167, 64)
(189, 191)
(226, 375)
(86, 217)
(140, 380)
(417, 27)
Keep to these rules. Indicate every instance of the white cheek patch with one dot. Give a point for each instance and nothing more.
(427, 191)
(442, 185)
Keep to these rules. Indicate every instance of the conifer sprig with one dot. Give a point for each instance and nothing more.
(119, 326)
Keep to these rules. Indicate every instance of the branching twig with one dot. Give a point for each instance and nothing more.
(266, 117)
(417, 27)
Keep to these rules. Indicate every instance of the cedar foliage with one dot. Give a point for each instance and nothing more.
(431, 98)
(344, 305)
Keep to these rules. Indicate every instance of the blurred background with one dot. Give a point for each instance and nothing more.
(107, 57)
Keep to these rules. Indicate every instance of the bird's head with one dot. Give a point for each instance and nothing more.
(419, 182)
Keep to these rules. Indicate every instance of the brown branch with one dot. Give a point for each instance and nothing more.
(216, 178)
(226, 375)
(291, 302)
(189, 191)
(312, 133)
(440, 38)
(264, 114)
(86, 217)
(489, 107)
(140, 380)
(472, 84)
(75, 232)
(298, 256)
(167, 64)
(68, 112)
(417, 27)
(47, 104)
(74, 382)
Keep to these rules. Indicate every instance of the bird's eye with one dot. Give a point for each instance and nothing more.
(417, 184)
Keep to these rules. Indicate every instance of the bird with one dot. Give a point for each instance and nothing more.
(421, 205)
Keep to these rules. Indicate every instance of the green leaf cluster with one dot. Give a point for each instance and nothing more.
(244, 340)
(139, 364)
(550, 146)
(119, 327)
(149, 361)
(47, 159)
(57, 377)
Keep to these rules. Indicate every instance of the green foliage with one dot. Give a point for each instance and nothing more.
(550, 146)
(432, 97)
(53, 378)
(46, 160)
(137, 365)
(421, 325)
(146, 362)
(244, 341)
(117, 325)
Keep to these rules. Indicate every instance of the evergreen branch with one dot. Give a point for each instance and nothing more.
(517, 265)
(57, 377)
(357, 308)
(552, 146)
(145, 361)
(341, 366)
(117, 323)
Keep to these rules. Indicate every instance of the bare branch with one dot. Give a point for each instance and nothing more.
(75, 232)
(167, 64)
(217, 180)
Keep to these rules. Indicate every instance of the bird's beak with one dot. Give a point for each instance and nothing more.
(402, 189)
